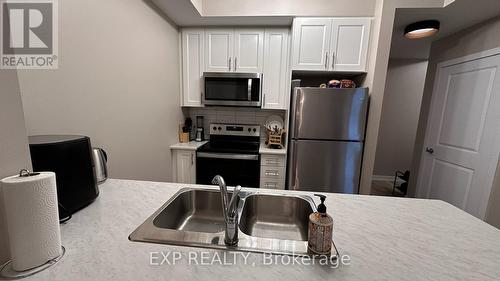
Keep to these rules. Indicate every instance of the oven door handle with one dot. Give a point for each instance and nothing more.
(230, 156)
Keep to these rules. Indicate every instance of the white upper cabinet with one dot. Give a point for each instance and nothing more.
(234, 50)
(311, 43)
(193, 65)
(330, 44)
(350, 44)
(248, 50)
(275, 75)
(219, 49)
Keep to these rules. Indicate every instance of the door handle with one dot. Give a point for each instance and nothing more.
(235, 63)
(249, 89)
(326, 60)
(229, 63)
(333, 61)
(429, 150)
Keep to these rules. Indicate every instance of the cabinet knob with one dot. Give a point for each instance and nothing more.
(429, 150)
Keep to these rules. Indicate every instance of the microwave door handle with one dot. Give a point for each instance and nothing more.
(249, 89)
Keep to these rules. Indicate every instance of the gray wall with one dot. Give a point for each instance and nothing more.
(14, 151)
(400, 113)
(475, 39)
(117, 82)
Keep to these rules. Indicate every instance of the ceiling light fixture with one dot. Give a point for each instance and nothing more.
(422, 29)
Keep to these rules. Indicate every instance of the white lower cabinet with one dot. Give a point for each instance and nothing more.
(184, 166)
(272, 171)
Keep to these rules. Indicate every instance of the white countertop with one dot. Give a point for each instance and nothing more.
(386, 239)
(192, 145)
(263, 149)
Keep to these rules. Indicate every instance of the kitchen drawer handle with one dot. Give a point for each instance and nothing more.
(272, 173)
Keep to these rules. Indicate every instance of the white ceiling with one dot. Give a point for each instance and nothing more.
(454, 17)
(258, 12)
(184, 13)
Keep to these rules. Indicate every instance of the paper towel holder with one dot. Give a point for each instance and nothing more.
(6, 270)
(7, 273)
(26, 173)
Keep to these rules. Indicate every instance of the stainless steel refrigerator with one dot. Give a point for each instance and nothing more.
(327, 130)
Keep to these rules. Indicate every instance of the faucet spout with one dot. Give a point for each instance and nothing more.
(229, 212)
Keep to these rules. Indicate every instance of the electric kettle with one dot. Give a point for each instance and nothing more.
(100, 164)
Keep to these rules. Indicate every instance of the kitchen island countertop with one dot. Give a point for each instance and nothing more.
(385, 239)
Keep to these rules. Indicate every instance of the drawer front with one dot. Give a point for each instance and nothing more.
(277, 173)
(272, 183)
(272, 160)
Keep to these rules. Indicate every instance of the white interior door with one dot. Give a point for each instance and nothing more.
(218, 50)
(248, 50)
(462, 139)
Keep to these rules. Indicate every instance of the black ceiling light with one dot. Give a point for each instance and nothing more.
(422, 29)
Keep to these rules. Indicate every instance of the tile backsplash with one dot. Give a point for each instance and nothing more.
(236, 115)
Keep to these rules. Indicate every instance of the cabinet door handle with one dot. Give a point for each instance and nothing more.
(272, 173)
(263, 100)
(192, 159)
(229, 63)
(326, 60)
(333, 61)
(429, 150)
(235, 63)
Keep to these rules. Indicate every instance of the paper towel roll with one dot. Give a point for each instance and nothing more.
(32, 216)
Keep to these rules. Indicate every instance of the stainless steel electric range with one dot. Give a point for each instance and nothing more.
(233, 153)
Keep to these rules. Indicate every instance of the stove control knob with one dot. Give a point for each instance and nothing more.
(215, 128)
(254, 130)
(249, 129)
(219, 128)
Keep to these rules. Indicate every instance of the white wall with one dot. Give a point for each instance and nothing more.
(378, 60)
(117, 82)
(400, 113)
(14, 151)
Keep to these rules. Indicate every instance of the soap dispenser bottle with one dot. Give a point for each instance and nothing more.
(320, 230)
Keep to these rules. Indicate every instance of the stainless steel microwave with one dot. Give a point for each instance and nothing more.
(232, 89)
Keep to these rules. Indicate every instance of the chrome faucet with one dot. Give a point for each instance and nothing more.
(229, 211)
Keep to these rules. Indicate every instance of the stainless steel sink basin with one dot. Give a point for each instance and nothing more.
(193, 210)
(269, 222)
(272, 216)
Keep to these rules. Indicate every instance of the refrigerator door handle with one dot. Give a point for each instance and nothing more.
(293, 166)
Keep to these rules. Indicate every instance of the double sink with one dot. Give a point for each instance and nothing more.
(268, 222)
